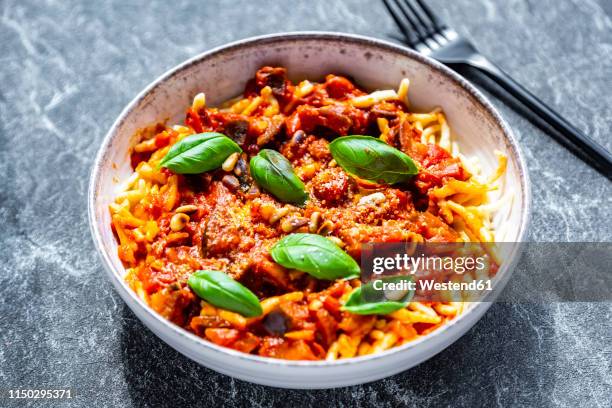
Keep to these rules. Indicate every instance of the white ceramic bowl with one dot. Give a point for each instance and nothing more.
(222, 73)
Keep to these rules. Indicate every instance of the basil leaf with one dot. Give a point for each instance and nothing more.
(315, 255)
(274, 173)
(199, 153)
(367, 300)
(218, 289)
(372, 159)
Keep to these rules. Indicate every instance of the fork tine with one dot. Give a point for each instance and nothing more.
(407, 29)
(437, 23)
(409, 15)
(427, 28)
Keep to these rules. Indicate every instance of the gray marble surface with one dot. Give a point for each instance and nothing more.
(67, 69)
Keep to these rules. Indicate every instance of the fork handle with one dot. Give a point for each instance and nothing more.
(597, 153)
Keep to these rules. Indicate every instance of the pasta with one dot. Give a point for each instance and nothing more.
(170, 225)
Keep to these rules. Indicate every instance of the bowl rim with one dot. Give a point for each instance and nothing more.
(175, 330)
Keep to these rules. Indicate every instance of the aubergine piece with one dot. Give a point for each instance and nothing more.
(237, 130)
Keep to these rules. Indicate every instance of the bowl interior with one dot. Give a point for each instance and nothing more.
(222, 74)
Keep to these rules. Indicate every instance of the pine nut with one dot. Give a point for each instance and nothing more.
(292, 223)
(186, 208)
(315, 220)
(278, 214)
(199, 101)
(336, 241)
(326, 228)
(178, 221)
(230, 162)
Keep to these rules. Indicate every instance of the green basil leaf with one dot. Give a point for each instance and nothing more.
(372, 159)
(315, 255)
(367, 300)
(199, 153)
(274, 173)
(218, 289)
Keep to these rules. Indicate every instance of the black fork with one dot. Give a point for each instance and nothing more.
(428, 35)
